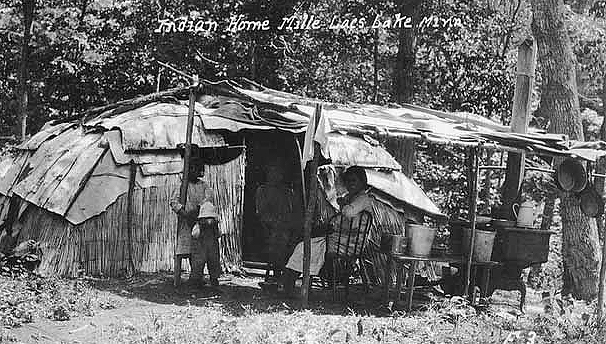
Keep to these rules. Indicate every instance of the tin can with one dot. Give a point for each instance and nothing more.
(399, 244)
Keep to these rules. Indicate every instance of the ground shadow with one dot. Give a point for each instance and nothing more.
(240, 295)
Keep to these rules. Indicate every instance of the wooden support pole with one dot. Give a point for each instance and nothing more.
(485, 190)
(474, 176)
(187, 152)
(309, 212)
(158, 78)
(602, 278)
(129, 217)
(184, 180)
(527, 58)
(300, 152)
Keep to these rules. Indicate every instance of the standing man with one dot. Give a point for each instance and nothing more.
(198, 193)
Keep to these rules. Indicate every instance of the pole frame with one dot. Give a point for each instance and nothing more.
(184, 180)
(309, 213)
(474, 174)
(129, 216)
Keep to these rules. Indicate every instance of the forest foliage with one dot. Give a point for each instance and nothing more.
(87, 53)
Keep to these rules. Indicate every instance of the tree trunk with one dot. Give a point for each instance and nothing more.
(403, 150)
(252, 50)
(375, 63)
(601, 165)
(582, 6)
(580, 244)
(28, 17)
(599, 184)
(405, 61)
(547, 220)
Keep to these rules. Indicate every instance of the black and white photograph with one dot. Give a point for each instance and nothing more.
(291, 171)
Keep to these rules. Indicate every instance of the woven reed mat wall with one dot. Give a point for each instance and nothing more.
(227, 182)
(100, 245)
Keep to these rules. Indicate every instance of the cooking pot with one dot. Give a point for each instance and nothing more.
(571, 175)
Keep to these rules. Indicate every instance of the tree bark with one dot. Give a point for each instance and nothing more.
(252, 50)
(582, 6)
(375, 63)
(405, 60)
(559, 97)
(28, 18)
(547, 220)
(599, 184)
(405, 153)
(601, 165)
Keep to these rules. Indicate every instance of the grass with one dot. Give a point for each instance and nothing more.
(26, 298)
(149, 310)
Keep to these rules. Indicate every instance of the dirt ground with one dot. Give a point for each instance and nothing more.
(148, 309)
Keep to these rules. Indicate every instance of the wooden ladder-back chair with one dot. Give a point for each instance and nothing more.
(346, 245)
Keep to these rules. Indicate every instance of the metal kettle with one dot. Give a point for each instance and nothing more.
(524, 213)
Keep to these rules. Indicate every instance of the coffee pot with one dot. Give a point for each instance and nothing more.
(524, 213)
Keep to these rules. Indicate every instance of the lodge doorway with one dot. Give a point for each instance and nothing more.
(273, 201)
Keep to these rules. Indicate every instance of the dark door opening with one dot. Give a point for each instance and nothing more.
(273, 210)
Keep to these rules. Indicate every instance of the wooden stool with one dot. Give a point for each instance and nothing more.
(177, 268)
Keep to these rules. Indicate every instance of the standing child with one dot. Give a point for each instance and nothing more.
(205, 240)
(198, 192)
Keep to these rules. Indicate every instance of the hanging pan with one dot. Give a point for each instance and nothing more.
(571, 175)
(213, 155)
(592, 203)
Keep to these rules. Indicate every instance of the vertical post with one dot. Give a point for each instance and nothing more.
(129, 216)
(527, 59)
(485, 189)
(184, 180)
(300, 152)
(309, 212)
(473, 202)
(160, 68)
(187, 153)
(602, 277)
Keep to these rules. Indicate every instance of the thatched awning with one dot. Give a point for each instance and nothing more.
(407, 121)
(347, 150)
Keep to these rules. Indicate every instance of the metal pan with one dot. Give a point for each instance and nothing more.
(571, 175)
(591, 203)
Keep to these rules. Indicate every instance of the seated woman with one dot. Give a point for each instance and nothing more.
(353, 203)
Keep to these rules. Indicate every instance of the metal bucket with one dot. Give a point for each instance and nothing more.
(421, 239)
(483, 244)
